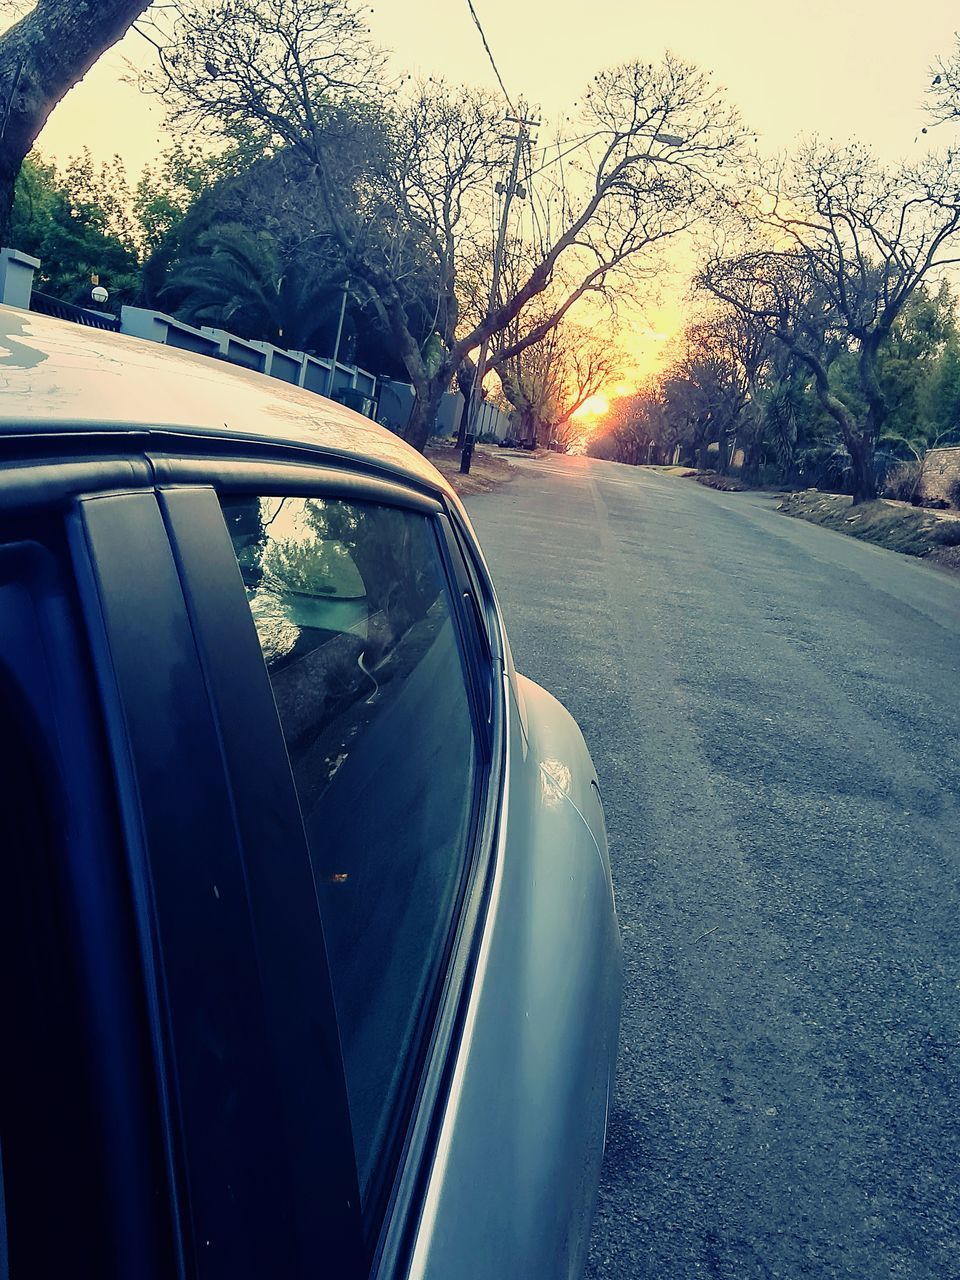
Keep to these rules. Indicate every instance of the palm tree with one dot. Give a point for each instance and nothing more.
(235, 280)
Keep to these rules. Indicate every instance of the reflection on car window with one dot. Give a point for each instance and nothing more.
(354, 619)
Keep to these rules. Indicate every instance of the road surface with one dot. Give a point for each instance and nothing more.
(774, 710)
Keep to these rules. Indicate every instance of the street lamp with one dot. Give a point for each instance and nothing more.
(99, 294)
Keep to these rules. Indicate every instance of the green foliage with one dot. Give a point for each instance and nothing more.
(237, 280)
(432, 353)
(909, 363)
(85, 221)
(795, 441)
(943, 398)
(276, 196)
(788, 436)
(918, 369)
(77, 224)
(169, 188)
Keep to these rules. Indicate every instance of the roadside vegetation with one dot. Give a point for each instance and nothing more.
(734, 399)
(824, 347)
(322, 175)
(308, 177)
(894, 525)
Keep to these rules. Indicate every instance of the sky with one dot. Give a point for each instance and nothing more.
(846, 69)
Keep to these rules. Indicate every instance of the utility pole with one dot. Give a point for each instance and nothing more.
(509, 191)
(336, 346)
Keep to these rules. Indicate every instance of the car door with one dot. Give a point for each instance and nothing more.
(244, 1032)
(380, 679)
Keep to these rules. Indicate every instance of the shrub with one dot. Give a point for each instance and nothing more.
(903, 481)
(953, 492)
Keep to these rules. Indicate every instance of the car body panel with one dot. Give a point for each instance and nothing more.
(56, 376)
(506, 1181)
(508, 1196)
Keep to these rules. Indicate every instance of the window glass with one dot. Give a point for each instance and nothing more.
(354, 617)
(53, 1176)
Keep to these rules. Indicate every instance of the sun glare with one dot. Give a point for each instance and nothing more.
(595, 407)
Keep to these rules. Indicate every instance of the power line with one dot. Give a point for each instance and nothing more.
(535, 226)
(577, 143)
(496, 72)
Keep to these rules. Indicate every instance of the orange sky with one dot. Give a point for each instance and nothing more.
(838, 68)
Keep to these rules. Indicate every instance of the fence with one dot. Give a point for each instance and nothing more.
(387, 400)
(61, 310)
(345, 383)
(941, 473)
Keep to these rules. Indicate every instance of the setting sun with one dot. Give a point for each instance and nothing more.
(595, 407)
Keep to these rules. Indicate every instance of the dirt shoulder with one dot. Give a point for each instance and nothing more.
(488, 469)
(724, 484)
(913, 531)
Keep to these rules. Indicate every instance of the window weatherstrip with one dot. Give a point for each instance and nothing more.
(267, 478)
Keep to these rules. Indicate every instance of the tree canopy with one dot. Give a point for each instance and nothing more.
(77, 223)
(403, 176)
(42, 56)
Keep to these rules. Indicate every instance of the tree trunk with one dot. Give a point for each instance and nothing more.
(861, 450)
(423, 414)
(41, 58)
(528, 426)
(862, 444)
(466, 375)
(723, 457)
(750, 471)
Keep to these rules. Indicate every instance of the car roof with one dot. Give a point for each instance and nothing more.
(63, 377)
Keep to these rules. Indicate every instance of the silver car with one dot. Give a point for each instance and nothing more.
(311, 965)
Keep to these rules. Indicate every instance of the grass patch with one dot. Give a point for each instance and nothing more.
(895, 525)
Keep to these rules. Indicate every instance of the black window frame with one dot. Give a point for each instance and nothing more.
(388, 1232)
(462, 620)
(125, 1185)
(184, 802)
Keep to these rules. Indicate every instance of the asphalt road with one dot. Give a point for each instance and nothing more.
(774, 710)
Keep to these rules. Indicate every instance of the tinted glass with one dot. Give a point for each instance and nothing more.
(354, 617)
(53, 1176)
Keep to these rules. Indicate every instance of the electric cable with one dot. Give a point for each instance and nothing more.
(496, 70)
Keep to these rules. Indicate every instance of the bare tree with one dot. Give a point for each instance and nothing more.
(848, 243)
(547, 383)
(943, 94)
(42, 56)
(298, 73)
(635, 429)
(589, 363)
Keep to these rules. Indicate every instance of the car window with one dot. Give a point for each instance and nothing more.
(54, 1157)
(357, 627)
(39, 999)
